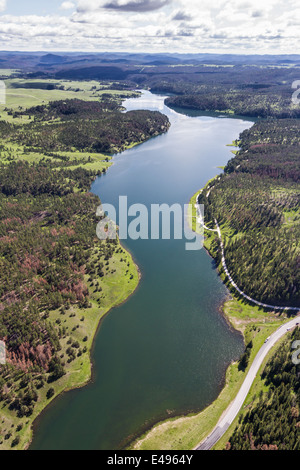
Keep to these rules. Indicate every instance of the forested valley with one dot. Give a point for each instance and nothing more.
(53, 268)
(256, 203)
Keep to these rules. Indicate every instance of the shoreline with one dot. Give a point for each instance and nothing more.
(185, 431)
(221, 310)
(169, 434)
(89, 379)
(149, 429)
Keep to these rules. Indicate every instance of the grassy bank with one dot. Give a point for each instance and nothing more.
(256, 325)
(257, 388)
(82, 324)
(188, 431)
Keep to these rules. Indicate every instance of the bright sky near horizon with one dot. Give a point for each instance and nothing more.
(219, 26)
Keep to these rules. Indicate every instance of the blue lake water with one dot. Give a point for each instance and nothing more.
(165, 351)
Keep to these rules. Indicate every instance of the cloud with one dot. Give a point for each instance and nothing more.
(182, 26)
(138, 6)
(2, 5)
(67, 6)
(257, 14)
(185, 33)
(182, 16)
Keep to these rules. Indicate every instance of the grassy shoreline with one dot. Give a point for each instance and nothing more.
(87, 377)
(82, 324)
(80, 372)
(120, 283)
(186, 432)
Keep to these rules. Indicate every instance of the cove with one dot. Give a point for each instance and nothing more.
(165, 351)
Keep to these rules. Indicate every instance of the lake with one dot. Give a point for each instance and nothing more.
(165, 351)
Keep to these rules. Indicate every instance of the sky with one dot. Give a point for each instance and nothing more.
(191, 26)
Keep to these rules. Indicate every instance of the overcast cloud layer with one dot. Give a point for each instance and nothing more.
(250, 26)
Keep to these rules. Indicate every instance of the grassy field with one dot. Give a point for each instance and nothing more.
(17, 98)
(88, 160)
(29, 97)
(5, 73)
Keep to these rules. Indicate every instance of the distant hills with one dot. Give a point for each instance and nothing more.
(49, 61)
(52, 59)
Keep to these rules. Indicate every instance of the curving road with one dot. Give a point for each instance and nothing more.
(233, 410)
(218, 231)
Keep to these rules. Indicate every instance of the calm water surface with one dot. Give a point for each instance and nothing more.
(166, 350)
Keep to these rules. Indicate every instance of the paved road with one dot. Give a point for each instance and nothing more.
(218, 231)
(236, 405)
(234, 408)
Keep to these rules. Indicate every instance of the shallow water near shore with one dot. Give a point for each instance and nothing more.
(165, 351)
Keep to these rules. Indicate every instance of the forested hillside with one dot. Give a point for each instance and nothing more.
(252, 102)
(256, 202)
(47, 241)
(272, 420)
(256, 91)
(85, 126)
